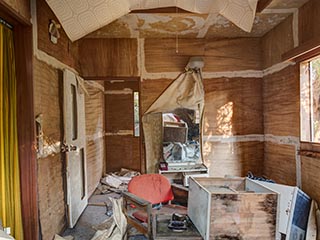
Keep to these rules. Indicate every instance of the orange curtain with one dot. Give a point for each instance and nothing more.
(10, 199)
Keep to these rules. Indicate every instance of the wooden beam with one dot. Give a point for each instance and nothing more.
(11, 14)
(161, 10)
(303, 52)
(26, 131)
(262, 4)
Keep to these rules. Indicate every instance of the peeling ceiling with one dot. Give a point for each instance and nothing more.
(81, 17)
(192, 25)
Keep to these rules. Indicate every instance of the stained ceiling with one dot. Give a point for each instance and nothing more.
(183, 24)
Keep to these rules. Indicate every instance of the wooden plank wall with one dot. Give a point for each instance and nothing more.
(101, 58)
(47, 99)
(309, 30)
(65, 51)
(122, 147)
(233, 108)
(94, 110)
(219, 55)
(308, 19)
(310, 168)
(50, 169)
(281, 105)
(276, 42)
(240, 95)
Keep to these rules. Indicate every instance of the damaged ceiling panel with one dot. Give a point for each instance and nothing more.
(263, 23)
(81, 17)
(207, 22)
(185, 26)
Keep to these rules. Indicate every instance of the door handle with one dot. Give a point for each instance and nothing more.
(68, 148)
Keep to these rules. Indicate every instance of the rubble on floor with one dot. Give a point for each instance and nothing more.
(116, 182)
(57, 237)
(103, 217)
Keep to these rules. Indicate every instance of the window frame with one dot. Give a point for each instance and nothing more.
(311, 141)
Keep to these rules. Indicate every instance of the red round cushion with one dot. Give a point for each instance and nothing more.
(154, 188)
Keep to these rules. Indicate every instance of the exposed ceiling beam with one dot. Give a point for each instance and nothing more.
(162, 10)
(262, 4)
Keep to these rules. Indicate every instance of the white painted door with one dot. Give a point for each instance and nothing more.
(74, 147)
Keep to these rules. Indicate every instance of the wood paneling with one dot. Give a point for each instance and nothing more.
(65, 51)
(19, 8)
(308, 21)
(50, 169)
(262, 4)
(219, 55)
(51, 196)
(95, 163)
(281, 102)
(108, 57)
(119, 112)
(94, 109)
(151, 90)
(276, 42)
(26, 131)
(310, 168)
(233, 106)
(122, 148)
(234, 159)
(280, 163)
(122, 152)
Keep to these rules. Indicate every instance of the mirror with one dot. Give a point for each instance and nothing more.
(181, 136)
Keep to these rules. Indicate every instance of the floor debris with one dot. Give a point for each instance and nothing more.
(103, 217)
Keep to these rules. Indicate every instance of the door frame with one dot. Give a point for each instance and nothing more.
(22, 30)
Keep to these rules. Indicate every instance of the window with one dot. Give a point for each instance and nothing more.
(310, 100)
(136, 114)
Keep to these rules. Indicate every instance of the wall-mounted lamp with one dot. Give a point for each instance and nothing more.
(54, 31)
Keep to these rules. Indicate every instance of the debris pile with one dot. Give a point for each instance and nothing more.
(116, 182)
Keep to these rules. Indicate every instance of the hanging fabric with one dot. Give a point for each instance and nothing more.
(10, 199)
(186, 91)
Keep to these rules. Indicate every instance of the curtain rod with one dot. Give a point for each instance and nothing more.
(6, 24)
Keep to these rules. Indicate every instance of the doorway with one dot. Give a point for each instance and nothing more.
(122, 121)
(22, 34)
